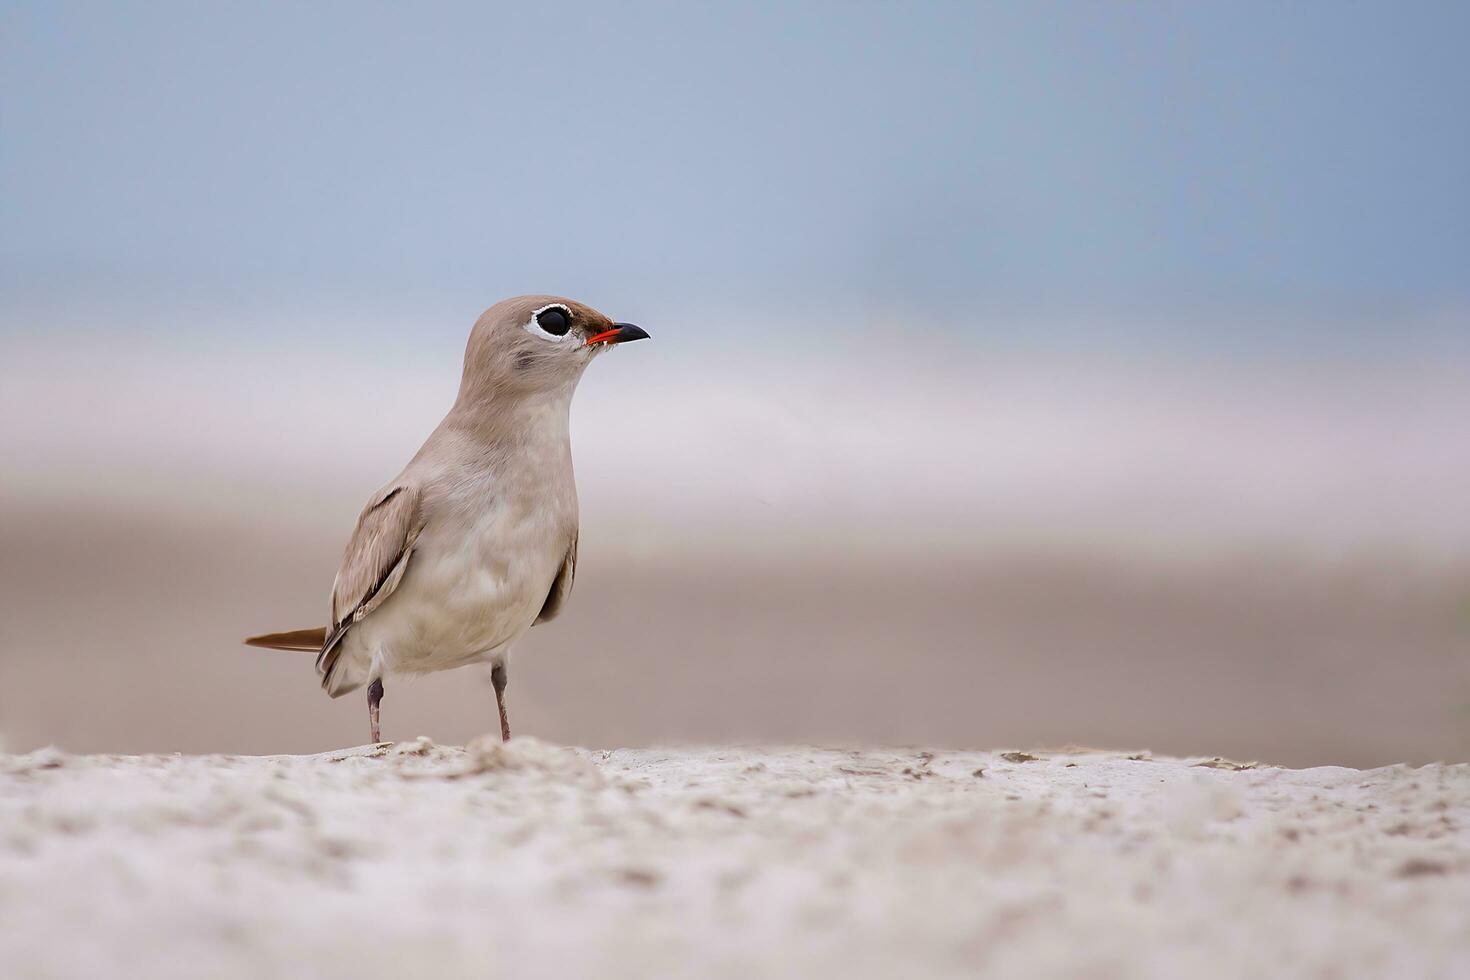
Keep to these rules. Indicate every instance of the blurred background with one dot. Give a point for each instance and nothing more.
(1022, 374)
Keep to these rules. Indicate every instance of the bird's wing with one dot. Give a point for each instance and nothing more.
(373, 564)
(562, 586)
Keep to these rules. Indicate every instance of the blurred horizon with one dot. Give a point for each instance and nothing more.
(864, 448)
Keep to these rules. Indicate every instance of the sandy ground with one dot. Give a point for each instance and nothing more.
(534, 860)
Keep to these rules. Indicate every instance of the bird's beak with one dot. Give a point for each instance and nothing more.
(620, 333)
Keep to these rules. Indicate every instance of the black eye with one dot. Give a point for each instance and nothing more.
(553, 320)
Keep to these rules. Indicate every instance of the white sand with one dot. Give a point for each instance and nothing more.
(531, 860)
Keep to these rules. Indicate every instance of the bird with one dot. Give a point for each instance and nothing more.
(475, 540)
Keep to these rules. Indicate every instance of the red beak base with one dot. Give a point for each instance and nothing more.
(621, 333)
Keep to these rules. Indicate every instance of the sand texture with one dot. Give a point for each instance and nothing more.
(532, 860)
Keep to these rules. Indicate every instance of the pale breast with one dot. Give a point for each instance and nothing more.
(475, 583)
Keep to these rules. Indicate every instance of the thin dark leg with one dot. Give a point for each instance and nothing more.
(497, 679)
(375, 695)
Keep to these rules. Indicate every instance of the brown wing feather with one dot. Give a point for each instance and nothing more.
(562, 586)
(374, 563)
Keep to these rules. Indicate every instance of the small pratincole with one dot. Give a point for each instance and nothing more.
(475, 542)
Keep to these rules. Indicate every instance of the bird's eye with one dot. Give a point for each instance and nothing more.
(553, 320)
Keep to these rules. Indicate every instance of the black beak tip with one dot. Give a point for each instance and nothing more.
(629, 332)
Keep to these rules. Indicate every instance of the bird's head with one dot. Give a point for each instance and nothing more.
(537, 343)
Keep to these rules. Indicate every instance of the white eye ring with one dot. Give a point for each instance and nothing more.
(533, 327)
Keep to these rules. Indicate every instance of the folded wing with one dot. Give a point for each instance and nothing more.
(376, 558)
(561, 587)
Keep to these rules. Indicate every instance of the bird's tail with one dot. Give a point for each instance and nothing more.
(339, 675)
(308, 640)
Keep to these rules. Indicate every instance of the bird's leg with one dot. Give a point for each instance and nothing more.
(375, 695)
(497, 680)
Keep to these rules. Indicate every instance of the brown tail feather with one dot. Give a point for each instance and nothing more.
(310, 640)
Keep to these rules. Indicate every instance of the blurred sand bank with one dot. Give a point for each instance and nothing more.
(123, 635)
(931, 545)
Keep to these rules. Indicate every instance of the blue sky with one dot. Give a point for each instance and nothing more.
(823, 161)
